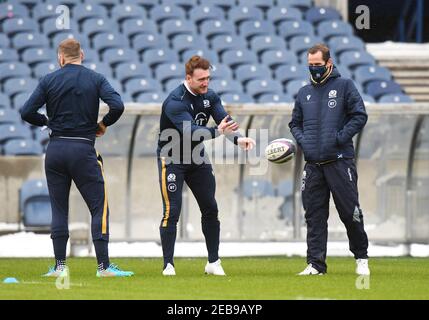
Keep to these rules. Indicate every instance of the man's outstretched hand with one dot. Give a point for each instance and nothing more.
(246, 143)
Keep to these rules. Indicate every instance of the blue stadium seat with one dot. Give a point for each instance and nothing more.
(99, 67)
(259, 44)
(185, 4)
(340, 44)
(25, 40)
(235, 57)
(115, 84)
(63, 35)
(395, 98)
(220, 71)
(332, 28)
(13, 69)
(14, 131)
(303, 58)
(250, 29)
(353, 59)
(293, 86)
(107, 40)
(114, 56)
(16, 25)
(212, 28)
(17, 85)
(12, 10)
(224, 4)
(133, 27)
(171, 84)
(167, 71)
(280, 14)
(90, 56)
(289, 29)
(183, 42)
(205, 53)
(146, 41)
(237, 97)
(35, 204)
(34, 56)
(344, 71)
(129, 70)
(172, 28)
(153, 57)
(238, 14)
(4, 101)
(94, 26)
(358, 87)
(9, 116)
(303, 5)
(50, 27)
(7, 54)
(285, 190)
(221, 86)
(202, 13)
(316, 15)
(124, 11)
(223, 42)
(19, 99)
(257, 87)
(256, 188)
(276, 58)
(142, 85)
(106, 3)
(291, 72)
(86, 11)
(161, 13)
(43, 11)
(22, 147)
(275, 98)
(364, 74)
(151, 97)
(299, 44)
(377, 88)
(247, 72)
(263, 4)
(4, 41)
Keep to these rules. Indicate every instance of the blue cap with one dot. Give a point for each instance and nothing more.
(10, 280)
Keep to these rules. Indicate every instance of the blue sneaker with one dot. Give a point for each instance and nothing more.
(60, 271)
(113, 271)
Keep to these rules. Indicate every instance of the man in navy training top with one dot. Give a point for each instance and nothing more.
(327, 114)
(181, 158)
(71, 95)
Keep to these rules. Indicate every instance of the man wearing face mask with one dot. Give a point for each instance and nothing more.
(72, 96)
(327, 114)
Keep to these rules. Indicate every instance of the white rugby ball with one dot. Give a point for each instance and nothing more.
(280, 150)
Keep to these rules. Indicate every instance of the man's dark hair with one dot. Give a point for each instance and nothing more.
(196, 62)
(326, 54)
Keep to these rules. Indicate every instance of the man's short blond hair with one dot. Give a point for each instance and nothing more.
(70, 48)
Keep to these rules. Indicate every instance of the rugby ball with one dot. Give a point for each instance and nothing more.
(280, 150)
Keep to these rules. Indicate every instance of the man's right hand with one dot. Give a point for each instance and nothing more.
(227, 126)
(101, 130)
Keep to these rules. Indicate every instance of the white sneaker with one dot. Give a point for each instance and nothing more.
(169, 270)
(362, 268)
(309, 270)
(214, 268)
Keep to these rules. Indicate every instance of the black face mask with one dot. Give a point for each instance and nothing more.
(317, 72)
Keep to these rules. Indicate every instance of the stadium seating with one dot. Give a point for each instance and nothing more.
(35, 204)
(130, 41)
(253, 188)
(22, 147)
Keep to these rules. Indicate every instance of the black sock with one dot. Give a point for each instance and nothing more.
(102, 253)
(60, 247)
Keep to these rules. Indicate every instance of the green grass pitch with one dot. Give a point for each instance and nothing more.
(262, 278)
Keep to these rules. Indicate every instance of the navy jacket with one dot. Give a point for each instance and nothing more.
(326, 117)
(187, 114)
(72, 97)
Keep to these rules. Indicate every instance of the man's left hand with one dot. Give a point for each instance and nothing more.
(246, 143)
